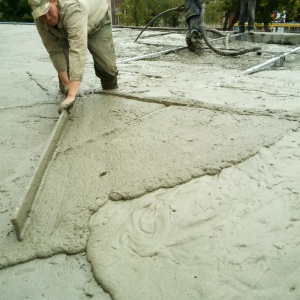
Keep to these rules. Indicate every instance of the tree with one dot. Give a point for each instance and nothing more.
(214, 12)
(132, 13)
(15, 11)
(172, 19)
(229, 11)
(265, 8)
(141, 12)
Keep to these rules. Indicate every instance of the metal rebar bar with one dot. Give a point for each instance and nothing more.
(151, 55)
(269, 62)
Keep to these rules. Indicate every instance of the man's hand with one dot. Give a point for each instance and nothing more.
(67, 103)
(71, 97)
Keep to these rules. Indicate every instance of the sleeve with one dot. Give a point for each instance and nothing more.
(53, 47)
(75, 24)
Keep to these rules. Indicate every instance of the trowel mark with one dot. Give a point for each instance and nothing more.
(38, 84)
(223, 230)
(169, 158)
(176, 100)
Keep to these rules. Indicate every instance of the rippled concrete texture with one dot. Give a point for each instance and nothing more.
(181, 184)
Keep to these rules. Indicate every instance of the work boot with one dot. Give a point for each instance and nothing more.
(241, 30)
(194, 38)
(194, 41)
(109, 84)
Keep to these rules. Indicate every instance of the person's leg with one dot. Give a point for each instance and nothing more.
(194, 15)
(251, 14)
(192, 8)
(101, 46)
(243, 16)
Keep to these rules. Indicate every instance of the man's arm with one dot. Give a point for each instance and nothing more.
(75, 23)
(72, 87)
(52, 45)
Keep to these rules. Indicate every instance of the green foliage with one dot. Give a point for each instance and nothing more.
(172, 19)
(141, 12)
(15, 11)
(218, 10)
(214, 12)
(265, 8)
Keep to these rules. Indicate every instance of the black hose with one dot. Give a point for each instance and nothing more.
(179, 9)
(225, 52)
(203, 33)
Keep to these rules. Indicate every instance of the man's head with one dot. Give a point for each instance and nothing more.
(39, 7)
(46, 10)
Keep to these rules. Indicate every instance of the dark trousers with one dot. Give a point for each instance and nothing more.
(192, 8)
(247, 13)
(194, 14)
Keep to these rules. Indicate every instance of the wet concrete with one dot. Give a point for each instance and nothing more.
(176, 168)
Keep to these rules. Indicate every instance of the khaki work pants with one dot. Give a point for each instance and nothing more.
(101, 46)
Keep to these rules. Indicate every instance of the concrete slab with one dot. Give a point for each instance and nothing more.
(216, 237)
(163, 179)
(61, 276)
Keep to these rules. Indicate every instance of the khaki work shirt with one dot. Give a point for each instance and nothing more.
(77, 20)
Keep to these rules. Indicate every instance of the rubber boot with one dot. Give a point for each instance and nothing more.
(194, 38)
(194, 41)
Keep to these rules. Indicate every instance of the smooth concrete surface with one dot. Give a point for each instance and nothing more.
(181, 184)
